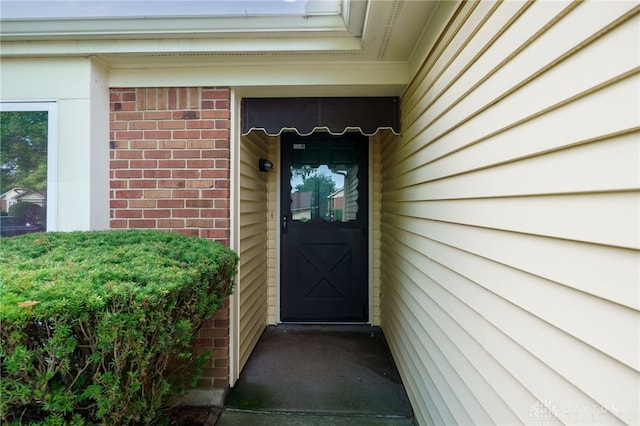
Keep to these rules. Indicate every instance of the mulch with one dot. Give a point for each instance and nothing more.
(192, 416)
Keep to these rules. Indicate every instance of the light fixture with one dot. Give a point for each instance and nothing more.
(265, 165)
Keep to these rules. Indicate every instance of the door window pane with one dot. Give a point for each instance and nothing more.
(23, 171)
(324, 190)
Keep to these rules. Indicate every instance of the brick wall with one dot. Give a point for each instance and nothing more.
(170, 160)
(170, 170)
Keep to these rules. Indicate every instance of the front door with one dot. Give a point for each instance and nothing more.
(324, 228)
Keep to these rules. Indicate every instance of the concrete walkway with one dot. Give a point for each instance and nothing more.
(319, 375)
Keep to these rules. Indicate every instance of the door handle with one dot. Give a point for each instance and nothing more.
(284, 224)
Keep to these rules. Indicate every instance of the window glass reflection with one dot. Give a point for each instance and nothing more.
(324, 192)
(23, 172)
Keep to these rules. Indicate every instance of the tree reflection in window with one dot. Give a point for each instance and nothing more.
(23, 171)
(324, 192)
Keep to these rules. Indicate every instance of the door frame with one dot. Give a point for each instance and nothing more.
(370, 221)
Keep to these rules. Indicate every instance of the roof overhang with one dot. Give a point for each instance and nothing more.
(347, 22)
(365, 50)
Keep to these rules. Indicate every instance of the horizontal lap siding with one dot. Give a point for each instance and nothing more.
(375, 150)
(273, 231)
(252, 286)
(510, 218)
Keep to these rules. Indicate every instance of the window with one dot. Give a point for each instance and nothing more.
(28, 166)
(324, 182)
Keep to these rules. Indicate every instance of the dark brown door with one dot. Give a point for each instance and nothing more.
(324, 228)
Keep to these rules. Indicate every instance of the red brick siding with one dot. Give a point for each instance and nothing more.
(170, 160)
(170, 170)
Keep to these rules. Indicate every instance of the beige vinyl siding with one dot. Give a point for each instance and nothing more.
(252, 282)
(375, 233)
(273, 224)
(510, 218)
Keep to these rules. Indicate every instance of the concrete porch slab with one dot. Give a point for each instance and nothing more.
(234, 418)
(320, 373)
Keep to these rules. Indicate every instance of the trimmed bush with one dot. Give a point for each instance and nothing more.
(95, 326)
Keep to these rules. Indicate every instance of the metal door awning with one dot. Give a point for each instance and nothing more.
(336, 115)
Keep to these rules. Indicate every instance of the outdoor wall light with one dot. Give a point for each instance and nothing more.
(265, 165)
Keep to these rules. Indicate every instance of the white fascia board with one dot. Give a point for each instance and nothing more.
(284, 74)
(166, 26)
(182, 46)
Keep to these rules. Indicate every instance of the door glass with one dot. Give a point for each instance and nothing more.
(324, 185)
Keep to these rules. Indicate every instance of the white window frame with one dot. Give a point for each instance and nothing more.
(51, 107)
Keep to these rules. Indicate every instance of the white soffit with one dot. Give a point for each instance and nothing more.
(340, 31)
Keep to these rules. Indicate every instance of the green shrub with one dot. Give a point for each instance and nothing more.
(94, 324)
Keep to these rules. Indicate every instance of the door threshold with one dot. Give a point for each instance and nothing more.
(321, 323)
(313, 327)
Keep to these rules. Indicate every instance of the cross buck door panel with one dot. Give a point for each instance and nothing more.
(324, 228)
